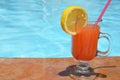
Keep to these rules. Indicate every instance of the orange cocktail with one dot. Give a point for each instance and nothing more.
(84, 43)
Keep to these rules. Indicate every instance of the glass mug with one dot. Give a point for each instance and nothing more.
(84, 46)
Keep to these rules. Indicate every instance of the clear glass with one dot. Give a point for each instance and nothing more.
(84, 49)
(82, 68)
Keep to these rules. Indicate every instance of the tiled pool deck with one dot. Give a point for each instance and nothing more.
(55, 68)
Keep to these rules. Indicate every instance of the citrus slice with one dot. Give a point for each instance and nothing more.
(73, 18)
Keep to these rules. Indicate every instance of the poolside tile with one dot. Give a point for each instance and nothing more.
(55, 68)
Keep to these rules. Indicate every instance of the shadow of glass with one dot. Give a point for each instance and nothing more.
(70, 69)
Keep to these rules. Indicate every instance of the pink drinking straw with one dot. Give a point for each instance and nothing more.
(103, 11)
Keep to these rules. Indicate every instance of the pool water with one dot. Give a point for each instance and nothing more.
(31, 28)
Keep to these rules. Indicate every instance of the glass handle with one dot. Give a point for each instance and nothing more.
(104, 53)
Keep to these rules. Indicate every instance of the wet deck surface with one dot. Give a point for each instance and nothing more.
(55, 68)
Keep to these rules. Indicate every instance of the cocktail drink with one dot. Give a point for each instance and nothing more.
(84, 47)
(85, 37)
(84, 44)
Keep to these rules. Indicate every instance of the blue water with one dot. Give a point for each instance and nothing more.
(31, 28)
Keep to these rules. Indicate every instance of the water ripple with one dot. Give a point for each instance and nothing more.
(31, 28)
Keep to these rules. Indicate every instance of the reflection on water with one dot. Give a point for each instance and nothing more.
(31, 28)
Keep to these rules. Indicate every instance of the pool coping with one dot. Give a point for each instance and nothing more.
(54, 68)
